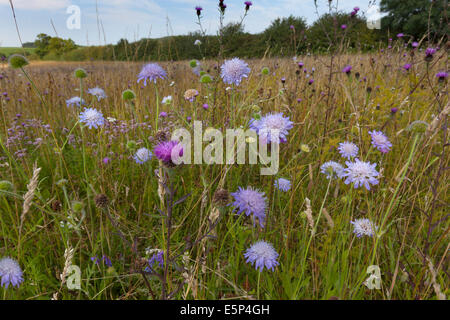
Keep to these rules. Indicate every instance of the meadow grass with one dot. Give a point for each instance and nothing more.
(318, 259)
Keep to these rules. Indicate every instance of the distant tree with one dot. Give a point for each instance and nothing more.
(416, 17)
(286, 36)
(42, 41)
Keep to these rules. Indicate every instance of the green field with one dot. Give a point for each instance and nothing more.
(11, 50)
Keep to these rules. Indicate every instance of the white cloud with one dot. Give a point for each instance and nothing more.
(37, 4)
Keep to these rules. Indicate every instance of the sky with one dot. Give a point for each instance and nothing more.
(135, 19)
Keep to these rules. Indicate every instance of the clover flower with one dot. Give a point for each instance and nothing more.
(364, 227)
(262, 254)
(273, 127)
(92, 118)
(332, 169)
(10, 273)
(348, 150)
(97, 92)
(152, 72)
(360, 174)
(251, 201)
(142, 155)
(234, 70)
(380, 141)
(77, 101)
(282, 184)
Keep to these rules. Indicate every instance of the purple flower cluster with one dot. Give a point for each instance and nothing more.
(251, 201)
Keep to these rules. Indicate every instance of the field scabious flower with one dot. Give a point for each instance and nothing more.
(273, 127)
(152, 72)
(92, 118)
(75, 101)
(142, 155)
(250, 201)
(380, 141)
(348, 150)
(363, 227)
(360, 174)
(10, 273)
(282, 184)
(332, 169)
(262, 254)
(234, 70)
(97, 92)
(166, 149)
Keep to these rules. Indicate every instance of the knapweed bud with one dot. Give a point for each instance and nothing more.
(206, 79)
(56, 205)
(80, 73)
(17, 61)
(128, 95)
(77, 206)
(6, 186)
(131, 145)
(221, 198)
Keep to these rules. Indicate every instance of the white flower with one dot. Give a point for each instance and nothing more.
(167, 100)
(197, 42)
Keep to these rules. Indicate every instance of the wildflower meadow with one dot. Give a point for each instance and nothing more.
(134, 180)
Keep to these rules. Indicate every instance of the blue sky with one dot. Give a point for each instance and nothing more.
(134, 19)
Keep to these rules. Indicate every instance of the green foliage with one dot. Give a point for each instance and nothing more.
(285, 36)
(414, 17)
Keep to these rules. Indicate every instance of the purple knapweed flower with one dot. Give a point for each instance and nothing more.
(415, 44)
(407, 66)
(10, 273)
(168, 151)
(92, 118)
(380, 141)
(400, 35)
(272, 127)
(251, 202)
(262, 254)
(364, 227)
(347, 69)
(442, 76)
(360, 174)
(234, 70)
(344, 26)
(248, 4)
(199, 10)
(348, 150)
(429, 54)
(152, 72)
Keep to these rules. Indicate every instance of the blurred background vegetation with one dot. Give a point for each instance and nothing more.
(290, 36)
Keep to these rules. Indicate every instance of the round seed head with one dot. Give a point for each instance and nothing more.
(17, 61)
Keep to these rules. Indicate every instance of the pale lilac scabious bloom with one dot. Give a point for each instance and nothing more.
(164, 150)
(272, 127)
(282, 184)
(75, 101)
(142, 155)
(332, 169)
(251, 201)
(152, 72)
(364, 227)
(234, 70)
(92, 118)
(380, 141)
(97, 92)
(361, 174)
(10, 273)
(348, 150)
(262, 254)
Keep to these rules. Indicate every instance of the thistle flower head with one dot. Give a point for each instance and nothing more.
(10, 273)
(363, 227)
(142, 155)
(92, 118)
(234, 70)
(282, 184)
(348, 150)
(97, 92)
(262, 254)
(251, 201)
(167, 151)
(152, 72)
(380, 141)
(361, 174)
(332, 169)
(272, 127)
